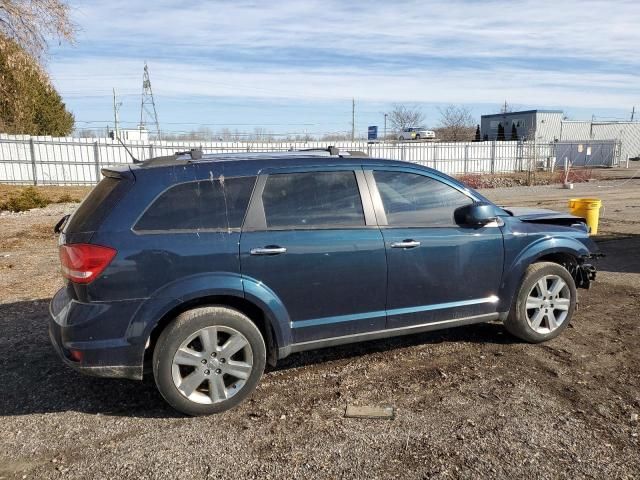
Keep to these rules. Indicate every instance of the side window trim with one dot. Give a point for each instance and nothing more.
(377, 198)
(256, 221)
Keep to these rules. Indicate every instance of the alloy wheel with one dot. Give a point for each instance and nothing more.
(548, 304)
(212, 365)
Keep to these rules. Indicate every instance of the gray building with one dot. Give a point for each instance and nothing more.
(538, 125)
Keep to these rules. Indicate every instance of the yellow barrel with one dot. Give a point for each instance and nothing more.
(587, 208)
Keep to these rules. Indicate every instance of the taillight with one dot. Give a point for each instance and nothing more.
(83, 262)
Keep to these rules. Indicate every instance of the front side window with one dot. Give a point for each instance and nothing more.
(217, 204)
(312, 200)
(410, 199)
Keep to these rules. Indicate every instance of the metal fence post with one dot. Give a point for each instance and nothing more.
(150, 150)
(466, 158)
(32, 150)
(96, 159)
(493, 157)
(436, 150)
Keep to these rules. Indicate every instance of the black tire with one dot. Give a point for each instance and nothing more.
(518, 320)
(185, 326)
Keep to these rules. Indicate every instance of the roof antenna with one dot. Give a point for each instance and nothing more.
(113, 136)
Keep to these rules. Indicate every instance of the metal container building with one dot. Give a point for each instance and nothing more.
(538, 125)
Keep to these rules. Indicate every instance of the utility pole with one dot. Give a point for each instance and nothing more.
(385, 127)
(148, 105)
(353, 119)
(633, 112)
(116, 110)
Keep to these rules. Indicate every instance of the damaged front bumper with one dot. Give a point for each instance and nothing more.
(586, 272)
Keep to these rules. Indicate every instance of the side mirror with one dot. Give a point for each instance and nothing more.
(475, 215)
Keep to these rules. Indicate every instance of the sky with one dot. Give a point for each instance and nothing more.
(291, 67)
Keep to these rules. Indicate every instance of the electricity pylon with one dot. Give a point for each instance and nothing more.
(148, 113)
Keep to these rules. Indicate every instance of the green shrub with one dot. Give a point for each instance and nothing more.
(27, 199)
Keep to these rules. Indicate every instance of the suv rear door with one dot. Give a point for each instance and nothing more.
(311, 237)
(438, 271)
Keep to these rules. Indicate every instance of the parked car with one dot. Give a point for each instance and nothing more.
(203, 269)
(413, 133)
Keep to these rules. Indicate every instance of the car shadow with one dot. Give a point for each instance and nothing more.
(484, 333)
(34, 379)
(618, 253)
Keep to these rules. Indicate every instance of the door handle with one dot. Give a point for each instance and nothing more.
(268, 251)
(405, 244)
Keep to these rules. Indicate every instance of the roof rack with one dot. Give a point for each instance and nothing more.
(194, 153)
(331, 149)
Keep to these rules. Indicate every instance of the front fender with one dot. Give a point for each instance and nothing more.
(538, 248)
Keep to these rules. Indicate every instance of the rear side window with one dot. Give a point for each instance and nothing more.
(94, 208)
(312, 200)
(218, 204)
(410, 199)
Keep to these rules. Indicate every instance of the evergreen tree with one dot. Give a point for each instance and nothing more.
(477, 139)
(514, 132)
(28, 102)
(500, 136)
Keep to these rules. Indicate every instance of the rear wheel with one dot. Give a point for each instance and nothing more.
(544, 305)
(208, 360)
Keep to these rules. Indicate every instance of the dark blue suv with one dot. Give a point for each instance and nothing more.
(203, 269)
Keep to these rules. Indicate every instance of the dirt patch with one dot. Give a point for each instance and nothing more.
(470, 402)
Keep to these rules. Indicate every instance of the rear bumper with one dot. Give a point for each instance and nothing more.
(91, 337)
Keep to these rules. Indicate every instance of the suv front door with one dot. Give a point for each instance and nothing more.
(311, 238)
(437, 271)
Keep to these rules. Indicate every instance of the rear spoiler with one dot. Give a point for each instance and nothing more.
(118, 173)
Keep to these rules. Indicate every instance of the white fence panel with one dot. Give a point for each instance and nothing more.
(68, 161)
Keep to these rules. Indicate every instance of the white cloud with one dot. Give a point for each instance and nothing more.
(572, 53)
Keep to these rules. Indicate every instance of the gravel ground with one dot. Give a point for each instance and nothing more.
(470, 402)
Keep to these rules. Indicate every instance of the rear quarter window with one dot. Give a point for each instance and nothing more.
(218, 204)
(95, 207)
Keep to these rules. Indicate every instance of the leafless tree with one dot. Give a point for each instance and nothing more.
(456, 124)
(403, 116)
(31, 22)
(85, 133)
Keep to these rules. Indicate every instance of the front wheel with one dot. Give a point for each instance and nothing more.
(208, 360)
(544, 304)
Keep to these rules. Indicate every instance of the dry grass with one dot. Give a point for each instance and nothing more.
(486, 180)
(18, 198)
